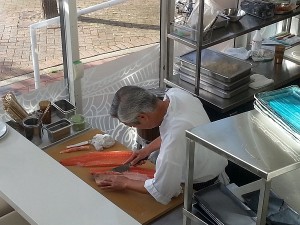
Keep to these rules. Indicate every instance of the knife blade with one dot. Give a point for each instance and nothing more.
(125, 167)
(122, 168)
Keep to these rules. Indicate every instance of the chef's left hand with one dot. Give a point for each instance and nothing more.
(114, 183)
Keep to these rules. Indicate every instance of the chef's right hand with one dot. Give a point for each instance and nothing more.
(138, 157)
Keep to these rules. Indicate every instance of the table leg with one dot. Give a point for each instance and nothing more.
(263, 202)
(188, 189)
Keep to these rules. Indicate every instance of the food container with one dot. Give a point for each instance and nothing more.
(58, 130)
(33, 130)
(78, 122)
(217, 65)
(64, 108)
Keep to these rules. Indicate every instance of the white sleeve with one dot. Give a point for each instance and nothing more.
(166, 183)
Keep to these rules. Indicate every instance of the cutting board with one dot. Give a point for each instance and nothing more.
(142, 207)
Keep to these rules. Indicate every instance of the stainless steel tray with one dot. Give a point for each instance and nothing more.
(283, 106)
(223, 206)
(222, 85)
(217, 65)
(221, 93)
(213, 89)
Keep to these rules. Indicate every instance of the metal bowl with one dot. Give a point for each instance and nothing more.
(234, 14)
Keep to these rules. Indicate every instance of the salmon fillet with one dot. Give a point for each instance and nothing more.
(111, 158)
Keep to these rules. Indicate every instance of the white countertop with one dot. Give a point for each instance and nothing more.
(46, 193)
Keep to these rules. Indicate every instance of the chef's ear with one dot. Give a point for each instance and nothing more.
(143, 117)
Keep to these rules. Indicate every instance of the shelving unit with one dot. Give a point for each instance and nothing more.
(289, 72)
(282, 75)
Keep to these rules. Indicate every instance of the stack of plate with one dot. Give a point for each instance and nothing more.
(282, 106)
(222, 75)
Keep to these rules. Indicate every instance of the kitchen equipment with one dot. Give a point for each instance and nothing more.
(64, 108)
(283, 106)
(33, 130)
(223, 207)
(58, 130)
(125, 167)
(188, 75)
(221, 93)
(233, 14)
(217, 65)
(122, 168)
(218, 84)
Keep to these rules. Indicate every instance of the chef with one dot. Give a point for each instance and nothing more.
(177, 112)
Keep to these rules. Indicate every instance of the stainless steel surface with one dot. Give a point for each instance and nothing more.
(222, 93)
(64, 109)
(58, 130)
(217, 65)
(46, 142)
(254, 142)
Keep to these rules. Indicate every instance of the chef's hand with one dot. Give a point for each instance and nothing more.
(114, 183)
(138, 158)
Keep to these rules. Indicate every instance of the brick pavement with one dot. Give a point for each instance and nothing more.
(127, 25)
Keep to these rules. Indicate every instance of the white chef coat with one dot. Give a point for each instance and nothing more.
(184, 112)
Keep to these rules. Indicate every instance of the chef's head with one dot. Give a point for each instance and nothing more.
(135, 107)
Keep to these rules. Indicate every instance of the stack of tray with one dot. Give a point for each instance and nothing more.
(282, 106)
(218, 206)
(221, 74)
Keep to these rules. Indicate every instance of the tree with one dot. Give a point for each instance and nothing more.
(50, 8)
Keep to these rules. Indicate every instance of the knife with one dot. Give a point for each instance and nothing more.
(126, 166)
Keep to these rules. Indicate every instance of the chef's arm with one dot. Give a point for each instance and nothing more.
(153, 146)
(136, 185)
(123, 183)
(145, 152)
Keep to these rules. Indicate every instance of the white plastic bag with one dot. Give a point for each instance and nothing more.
(211, 9)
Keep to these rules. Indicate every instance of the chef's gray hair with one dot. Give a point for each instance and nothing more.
(130, 101)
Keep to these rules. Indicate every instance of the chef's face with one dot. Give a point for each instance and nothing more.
(144, 122)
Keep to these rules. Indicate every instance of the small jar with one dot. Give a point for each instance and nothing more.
(47, 117)
(78, 122)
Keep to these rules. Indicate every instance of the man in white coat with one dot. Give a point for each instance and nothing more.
(176, 113)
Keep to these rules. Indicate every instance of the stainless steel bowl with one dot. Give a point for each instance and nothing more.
(234, 14)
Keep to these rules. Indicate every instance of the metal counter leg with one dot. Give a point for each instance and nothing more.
(188, 189)
(263, 203)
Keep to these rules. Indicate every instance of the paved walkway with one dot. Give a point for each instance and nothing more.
(102, 35)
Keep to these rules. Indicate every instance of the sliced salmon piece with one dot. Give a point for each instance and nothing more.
(110, 158)
(146, 171)
(109, 174)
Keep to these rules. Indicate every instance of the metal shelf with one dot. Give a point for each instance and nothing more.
(247, 24)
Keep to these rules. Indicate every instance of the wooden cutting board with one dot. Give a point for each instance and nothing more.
(142, 207)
